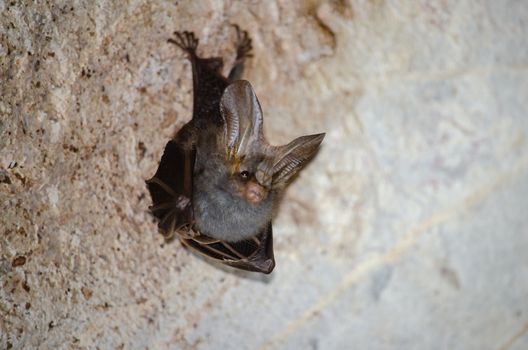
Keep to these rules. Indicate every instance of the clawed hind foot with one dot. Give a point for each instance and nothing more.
(186, 41)
(244, 45)
(243, 51)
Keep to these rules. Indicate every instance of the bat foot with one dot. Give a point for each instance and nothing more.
(243, 45)
(243, 51)
(186, 41)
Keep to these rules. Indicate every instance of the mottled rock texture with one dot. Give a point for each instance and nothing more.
(408, 231)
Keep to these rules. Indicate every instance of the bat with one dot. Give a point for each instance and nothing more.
(219, 181)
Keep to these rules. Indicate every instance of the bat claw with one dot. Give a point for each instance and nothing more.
(182, 202)
(243, 44)
(186, 41)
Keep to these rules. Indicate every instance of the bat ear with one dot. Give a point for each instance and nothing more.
(242, 116)
(291, 158)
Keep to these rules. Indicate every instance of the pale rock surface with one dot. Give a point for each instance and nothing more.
(408, 231)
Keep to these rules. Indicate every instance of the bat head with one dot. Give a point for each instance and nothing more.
(256, 168)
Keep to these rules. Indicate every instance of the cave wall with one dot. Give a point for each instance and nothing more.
(408, 231)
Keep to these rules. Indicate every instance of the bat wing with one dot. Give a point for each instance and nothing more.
(253, 254)
(171, 192)
(171, 189)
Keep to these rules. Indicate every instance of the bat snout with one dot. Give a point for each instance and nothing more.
(255, 193)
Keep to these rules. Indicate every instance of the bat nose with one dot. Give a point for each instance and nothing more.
(255, 193)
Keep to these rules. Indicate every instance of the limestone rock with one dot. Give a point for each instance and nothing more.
(408, 231)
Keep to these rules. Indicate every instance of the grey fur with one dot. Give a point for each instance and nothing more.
(218, 211)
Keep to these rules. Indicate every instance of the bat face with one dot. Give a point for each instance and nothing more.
(247, 187)
(244, 183)
(219, 180)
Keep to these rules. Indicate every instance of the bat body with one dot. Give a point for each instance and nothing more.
(219, 181)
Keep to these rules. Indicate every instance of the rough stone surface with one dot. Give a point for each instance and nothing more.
(408, 231)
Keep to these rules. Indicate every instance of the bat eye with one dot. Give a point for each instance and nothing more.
(244, 175)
